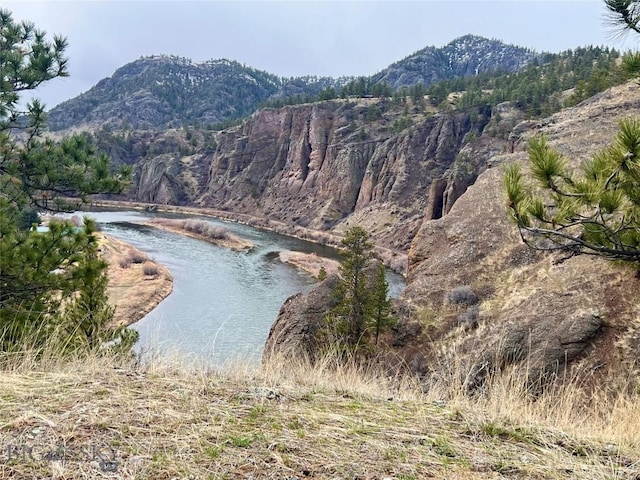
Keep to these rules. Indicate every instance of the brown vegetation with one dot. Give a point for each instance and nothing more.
(131, 290)
(203, 230)
(310, 262)
(292, 420)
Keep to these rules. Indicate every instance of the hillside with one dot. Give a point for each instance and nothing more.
(466, 56)
(160, 92)
(167, 91)
(99, 419)
(545, 316)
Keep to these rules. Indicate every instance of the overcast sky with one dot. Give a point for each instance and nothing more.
(297, 37)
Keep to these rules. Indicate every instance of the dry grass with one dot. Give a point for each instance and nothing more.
(131, 290)
(310, 262)
(291, 420)
(203, 230)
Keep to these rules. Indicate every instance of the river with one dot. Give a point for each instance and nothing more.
(223, 302)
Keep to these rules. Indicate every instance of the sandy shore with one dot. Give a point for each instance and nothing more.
(227, 240)
(310, 262)
(137, 284)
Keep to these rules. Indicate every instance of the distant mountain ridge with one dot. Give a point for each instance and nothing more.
(463, 57)
(168, 91)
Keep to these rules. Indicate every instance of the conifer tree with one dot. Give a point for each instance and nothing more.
(352, 309)
(88, 315)
(596, 212)
(624, 14)
(380, 303)
(39, 270)
(362, 306)
(322, 273)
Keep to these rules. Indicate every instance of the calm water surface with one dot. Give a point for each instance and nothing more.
(223, 302)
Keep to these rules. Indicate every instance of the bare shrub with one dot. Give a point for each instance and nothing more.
(462, 295)
(125, 262)
(469, 318)
(217, 232)
(194, 226)
(137, 257)
(205, 229)
(150, 269)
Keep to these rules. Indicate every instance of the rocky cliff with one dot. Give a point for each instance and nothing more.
(324, 166)
(539, 312)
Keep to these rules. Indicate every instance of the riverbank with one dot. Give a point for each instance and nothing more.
(137, 283)
(202, 231)
(394, 260)
(310, 262)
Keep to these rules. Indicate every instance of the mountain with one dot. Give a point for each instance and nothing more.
(167, 91)
(463, 57)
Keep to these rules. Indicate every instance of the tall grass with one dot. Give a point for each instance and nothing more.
(603, 414)
(608, 413)
(199, 227)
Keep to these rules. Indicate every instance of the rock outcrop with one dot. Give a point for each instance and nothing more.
(322, 165)
(295, 330)
(538, 312)
(463, 57)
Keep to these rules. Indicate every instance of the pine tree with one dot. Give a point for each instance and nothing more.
(624, 14)
(362, 306)
(357, 255)
(88, 316)
(595, 213)
(38, 271)
(350, 316)
(322, 273)
(380, 303)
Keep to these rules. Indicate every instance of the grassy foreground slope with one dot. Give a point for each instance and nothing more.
(112, 420)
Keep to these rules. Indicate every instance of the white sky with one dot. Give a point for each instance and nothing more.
(301, 37)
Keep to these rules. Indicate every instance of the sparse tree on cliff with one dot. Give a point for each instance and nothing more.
(362, 308)
(40, 272)
(352, 309)
(322, 273)
(595, 212)
(380, 303)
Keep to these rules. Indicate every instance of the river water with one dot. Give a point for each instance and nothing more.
(223, 302)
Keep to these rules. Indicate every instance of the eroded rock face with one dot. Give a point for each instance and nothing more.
(539, 313)
(294, 331)
(317, 165)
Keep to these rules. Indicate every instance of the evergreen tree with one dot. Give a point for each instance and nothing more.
(322, 274)
(39, 270)
(362, 307)
(88, 316)
(353, 309)
(380, 303)
(624, 14)
(595, 213)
